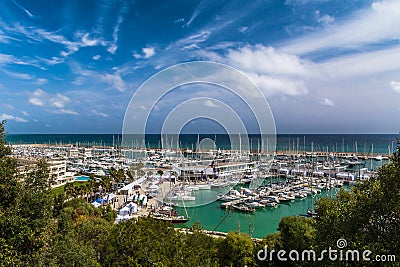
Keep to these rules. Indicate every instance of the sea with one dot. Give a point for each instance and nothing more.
(211, 216)
(362, 143)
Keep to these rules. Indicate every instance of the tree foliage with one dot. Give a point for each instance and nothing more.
(237, 249)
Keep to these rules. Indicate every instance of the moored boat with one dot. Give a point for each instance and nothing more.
(243, 208)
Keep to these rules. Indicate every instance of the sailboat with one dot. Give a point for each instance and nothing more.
(172, 218)
(168, 214)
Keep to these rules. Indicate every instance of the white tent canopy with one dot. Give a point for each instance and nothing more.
(124, 211)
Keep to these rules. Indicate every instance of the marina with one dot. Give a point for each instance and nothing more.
(223, 190)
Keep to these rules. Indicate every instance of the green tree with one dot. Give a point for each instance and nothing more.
(4, 149)
(81, 228)
(198, 249)
(69, 190)
(117, 175)
(237, 249)
(145, 242)
(297, 233)
(26, 224)
(9, 186)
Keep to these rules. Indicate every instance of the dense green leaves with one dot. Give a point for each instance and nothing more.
(297, 233)
(4, 149)
(236, 250)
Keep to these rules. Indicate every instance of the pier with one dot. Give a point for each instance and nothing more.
(324, 154)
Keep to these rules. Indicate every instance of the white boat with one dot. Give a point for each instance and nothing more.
(192, 188)
(243, 208)
(229, 197)
(268, 203)
(218, 185)
(204, 186)
(255, 205)
(181, 198)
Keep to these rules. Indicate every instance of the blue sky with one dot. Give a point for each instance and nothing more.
(324, 66)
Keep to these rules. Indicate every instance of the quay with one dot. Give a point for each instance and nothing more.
(215, 234)
(324, 154)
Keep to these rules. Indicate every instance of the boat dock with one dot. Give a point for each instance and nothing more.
(214, 234)
(324, 154)
(228, 204)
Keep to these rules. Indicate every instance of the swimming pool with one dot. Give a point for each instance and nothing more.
(82, 178)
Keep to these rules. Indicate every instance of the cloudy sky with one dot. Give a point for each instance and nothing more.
(325, 66)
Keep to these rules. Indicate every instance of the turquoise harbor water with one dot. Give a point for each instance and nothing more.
(259, 224)
(263, 221)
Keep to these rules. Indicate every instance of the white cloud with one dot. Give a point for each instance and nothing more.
(324, 18)
(327, 102)
(65, 111)
(81, 39)
(191, 40)
(113, 46)
(59, 100)
(88, 41)
(23, 9)
(8, 106)
(52, 61)
(23, 112)
(243, 29)
(262, 59)
(19, 119)
(275, 72)
(378, 23)
(41, 81)
(148, 52)
(273, 85)
(36, 101)
(395, 86)
(115, 80)
(96, 57)
(21, 76)
(197, 11)
(5, 116)
(364, 64)
(180, 20)
(6, 59)
(101, 114)
(52, 103)
(210, 103)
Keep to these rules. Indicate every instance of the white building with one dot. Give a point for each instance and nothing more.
(57, 168)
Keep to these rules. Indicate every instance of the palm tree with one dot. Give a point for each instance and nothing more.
(117, 176)
(69, 190)
(92, 185)
(87, 190)
(106, 183)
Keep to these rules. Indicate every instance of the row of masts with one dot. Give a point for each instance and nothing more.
(293, 147)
